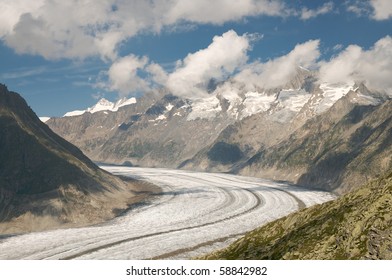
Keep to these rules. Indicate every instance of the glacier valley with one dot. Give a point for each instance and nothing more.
(194, 214)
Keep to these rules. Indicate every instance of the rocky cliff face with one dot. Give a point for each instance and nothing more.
(46, 182)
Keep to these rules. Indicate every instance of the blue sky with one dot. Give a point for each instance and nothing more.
(120, 48)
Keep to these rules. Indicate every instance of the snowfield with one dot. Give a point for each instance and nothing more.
(195, 213)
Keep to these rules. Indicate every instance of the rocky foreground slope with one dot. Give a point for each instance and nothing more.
(357, 225)
(46, 182)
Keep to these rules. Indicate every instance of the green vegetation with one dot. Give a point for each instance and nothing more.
(358, 225)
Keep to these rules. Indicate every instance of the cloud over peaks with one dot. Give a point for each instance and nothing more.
(276, 72)
(220, 59)
(373, 66)
(226, 60)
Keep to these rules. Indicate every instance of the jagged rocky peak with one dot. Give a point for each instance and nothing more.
(303, 78)
(165, 104)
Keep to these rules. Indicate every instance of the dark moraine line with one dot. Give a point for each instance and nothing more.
(301, 205)
(259, 202)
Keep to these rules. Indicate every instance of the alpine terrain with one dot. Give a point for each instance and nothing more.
(333, 137)
(329, 136)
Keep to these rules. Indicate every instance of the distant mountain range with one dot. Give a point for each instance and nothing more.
(46, 182)
(319, 135)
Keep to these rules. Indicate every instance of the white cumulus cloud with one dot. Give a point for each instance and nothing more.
(54, 29)
(10, 12)
(123, 75)
(78, 29)
(375, 9)
(220, 11)
(382, 9)
(157, 74)
(220, 59)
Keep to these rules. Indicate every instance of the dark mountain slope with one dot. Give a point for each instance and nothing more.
(45, 181)
(358, 225)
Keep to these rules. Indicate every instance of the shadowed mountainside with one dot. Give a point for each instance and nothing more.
(46, 182)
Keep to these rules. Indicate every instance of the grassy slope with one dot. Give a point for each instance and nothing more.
(358, 225)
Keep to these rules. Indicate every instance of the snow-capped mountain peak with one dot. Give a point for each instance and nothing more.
(302, 94)
(124, 102)
(104, 105)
